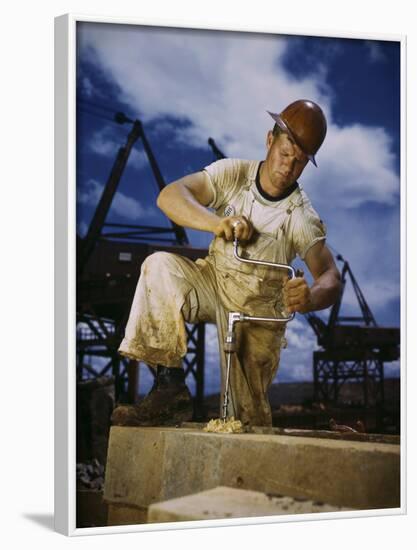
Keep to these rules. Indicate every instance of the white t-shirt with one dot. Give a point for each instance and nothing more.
(292, 222)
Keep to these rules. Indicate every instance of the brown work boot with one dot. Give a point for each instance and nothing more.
(167, 404)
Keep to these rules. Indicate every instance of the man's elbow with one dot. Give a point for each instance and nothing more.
(161, 200)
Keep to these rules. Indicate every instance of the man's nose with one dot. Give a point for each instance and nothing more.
(289, 164)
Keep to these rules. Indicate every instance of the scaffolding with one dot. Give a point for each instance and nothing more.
(353, 349)
(108, 262)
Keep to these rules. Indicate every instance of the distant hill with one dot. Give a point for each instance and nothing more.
(297, 393)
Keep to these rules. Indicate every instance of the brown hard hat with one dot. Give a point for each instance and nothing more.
(305, 123)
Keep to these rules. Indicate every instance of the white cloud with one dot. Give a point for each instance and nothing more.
(122, 205)
(90, 193)
(299, 335)
(356, 165)
(105, 143)
(297, 358)
(377, 292)
(223, 84)
(370, 242)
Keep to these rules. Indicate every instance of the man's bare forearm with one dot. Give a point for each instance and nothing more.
(180, 205)
(185, 202)
(325, 290)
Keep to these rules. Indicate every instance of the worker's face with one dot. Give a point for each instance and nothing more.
(284, 161)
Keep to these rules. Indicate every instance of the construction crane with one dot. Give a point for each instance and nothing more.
(353, 348)
(108, 263)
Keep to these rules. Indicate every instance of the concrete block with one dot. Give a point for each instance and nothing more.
(343, 473)
(148, 465)
(225, 502)
(134, 470)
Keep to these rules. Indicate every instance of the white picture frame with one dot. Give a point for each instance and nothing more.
(65, 281)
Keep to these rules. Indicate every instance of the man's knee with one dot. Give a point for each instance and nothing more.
(158, 263)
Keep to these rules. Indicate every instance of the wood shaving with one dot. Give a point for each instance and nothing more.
(224, 426)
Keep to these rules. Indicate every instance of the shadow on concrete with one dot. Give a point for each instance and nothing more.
(44, 520)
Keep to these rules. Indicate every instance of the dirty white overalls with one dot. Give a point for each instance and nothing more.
(173, 290)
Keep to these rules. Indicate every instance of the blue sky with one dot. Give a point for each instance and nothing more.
(188, 85)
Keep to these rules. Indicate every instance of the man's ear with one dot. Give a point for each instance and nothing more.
(269, 139)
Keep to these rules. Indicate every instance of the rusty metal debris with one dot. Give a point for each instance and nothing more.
(90, 475)
(360, 427)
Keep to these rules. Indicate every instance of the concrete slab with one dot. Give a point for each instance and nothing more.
(148, 465)
(224, 502)
(323, 434)
(134, 470)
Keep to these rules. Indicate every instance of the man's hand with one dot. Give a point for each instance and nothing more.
(234, 226)
(297, 295)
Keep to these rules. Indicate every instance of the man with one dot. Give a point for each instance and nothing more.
(262, 204)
